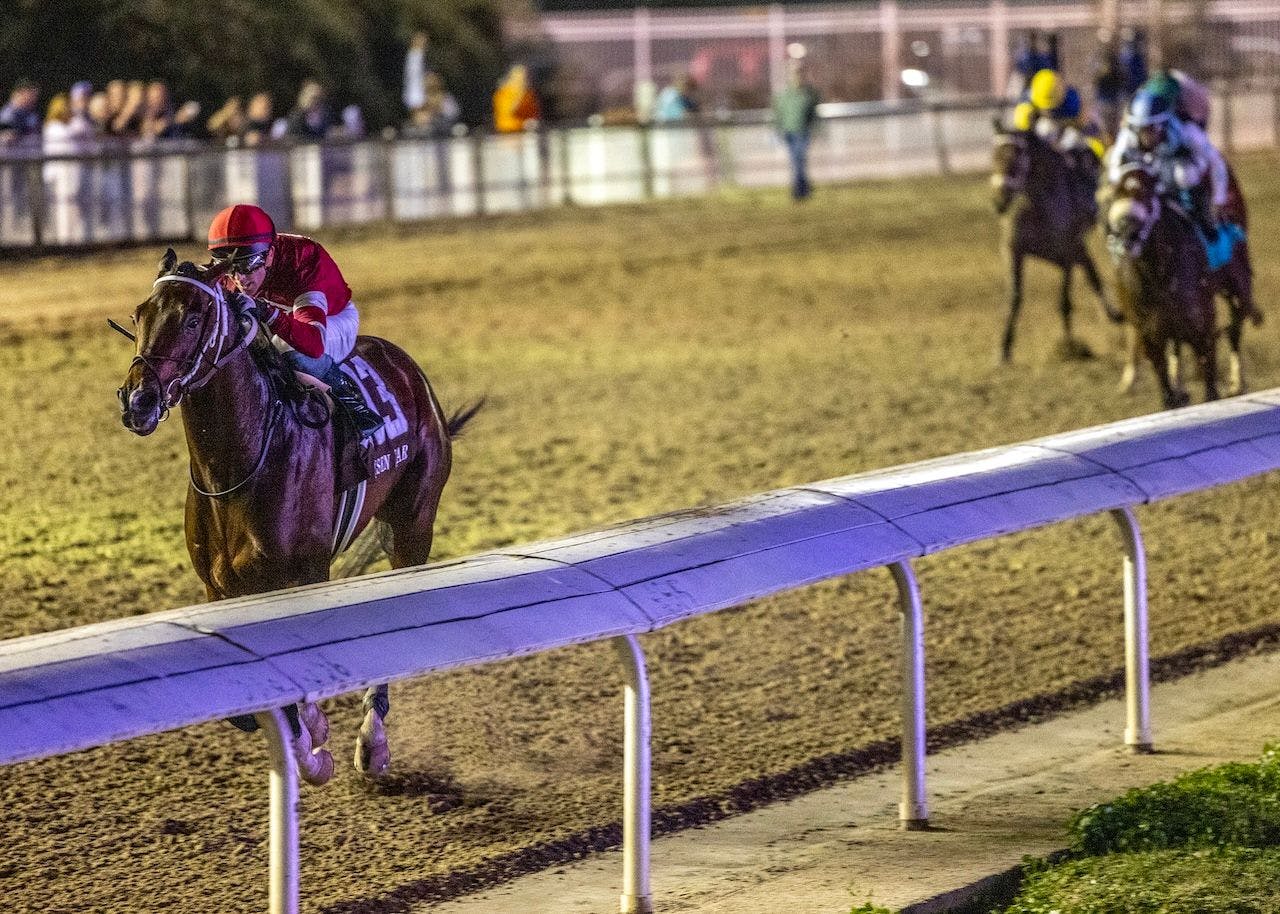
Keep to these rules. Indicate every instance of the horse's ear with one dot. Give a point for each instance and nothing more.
(214, 270)
(997, 124)
(168, 262)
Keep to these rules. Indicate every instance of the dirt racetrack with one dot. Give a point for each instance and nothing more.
(638, 360)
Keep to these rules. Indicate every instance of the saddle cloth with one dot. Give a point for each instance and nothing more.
(358, 461)
(1220, 250)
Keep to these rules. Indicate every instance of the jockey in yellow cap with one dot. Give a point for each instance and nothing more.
(1053, 110)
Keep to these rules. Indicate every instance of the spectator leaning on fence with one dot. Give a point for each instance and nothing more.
(795, 109)
(311, 118)
(677, 101)
(20, 119)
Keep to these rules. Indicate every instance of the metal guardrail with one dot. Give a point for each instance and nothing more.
(71, 202)
(74, 689)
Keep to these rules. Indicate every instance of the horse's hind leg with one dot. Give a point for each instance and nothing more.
(1070, 347)
(410, 514)
(1015, 305)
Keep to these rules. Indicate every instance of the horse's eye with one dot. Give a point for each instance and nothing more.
(193, 322)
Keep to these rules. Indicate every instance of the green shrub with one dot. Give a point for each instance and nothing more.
(1233, 804)
(1207, 881)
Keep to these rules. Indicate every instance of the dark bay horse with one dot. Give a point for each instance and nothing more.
(1234, 282)
(261, 502)
(1165, 286)
(1047, 209)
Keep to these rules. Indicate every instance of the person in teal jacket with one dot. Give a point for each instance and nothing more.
(795, 109)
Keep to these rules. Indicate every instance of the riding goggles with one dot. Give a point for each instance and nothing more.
(242, 264)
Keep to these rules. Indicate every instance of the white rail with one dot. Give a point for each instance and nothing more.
(74, 689)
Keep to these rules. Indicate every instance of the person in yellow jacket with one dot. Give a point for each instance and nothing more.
(514, 102)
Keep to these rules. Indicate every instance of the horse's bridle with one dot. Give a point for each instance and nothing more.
(1153, 206)
(222, 328)
(174, 391)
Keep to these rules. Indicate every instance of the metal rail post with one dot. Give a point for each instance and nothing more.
(637, 898)
(283, 871)
(1137, 671)
(913, 811)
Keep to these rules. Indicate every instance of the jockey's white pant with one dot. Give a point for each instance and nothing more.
(340, 332)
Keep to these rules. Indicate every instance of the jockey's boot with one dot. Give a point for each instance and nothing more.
(348, 397)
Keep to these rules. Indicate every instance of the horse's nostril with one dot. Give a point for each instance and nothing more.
(142, 400)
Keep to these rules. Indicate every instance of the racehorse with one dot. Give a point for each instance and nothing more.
(1047, 209)
(1235, 283)
(261, 503)
(1165, 286)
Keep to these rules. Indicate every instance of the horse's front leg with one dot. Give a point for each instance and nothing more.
(1133, 348)
(1015, 303)
(1235, 368)
(1206, 349)
(1155, 348)
(1109, 306)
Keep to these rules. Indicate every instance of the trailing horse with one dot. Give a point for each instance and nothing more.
(263, 510)
(1164, 282)
(1047, 209)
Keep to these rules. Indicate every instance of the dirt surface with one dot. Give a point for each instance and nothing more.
(638, 360)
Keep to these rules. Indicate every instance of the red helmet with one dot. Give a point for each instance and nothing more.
(240, 231)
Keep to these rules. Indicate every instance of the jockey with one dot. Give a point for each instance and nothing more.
(312, 318)
(1187, 163)
(1052, 109)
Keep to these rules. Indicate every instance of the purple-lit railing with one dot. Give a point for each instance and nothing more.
(83, 687)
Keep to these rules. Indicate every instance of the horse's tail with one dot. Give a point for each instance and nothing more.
(462, 416)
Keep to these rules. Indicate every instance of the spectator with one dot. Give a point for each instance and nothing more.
(115, 95)
(795, 109)
(416, 70)
(99, 113)
(82, 125)
(353, 123)
(1133, 59)
(19, 119)
(156, 121)
(1037, 52)
(311, 119)
(56, 133)
(126, 121)
(228, 122)
(64, 184)
(677, 101)
(438, 114)
(515, 104)
(258, 121)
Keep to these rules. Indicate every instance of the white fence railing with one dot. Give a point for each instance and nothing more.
(84, 687)
(158, 194)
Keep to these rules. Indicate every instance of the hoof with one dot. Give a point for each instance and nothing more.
(1072, 350)
(316, 722)
(315, 766)
(1177, 400)
(373, 756)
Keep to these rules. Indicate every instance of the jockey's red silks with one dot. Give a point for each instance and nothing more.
(306, 285)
